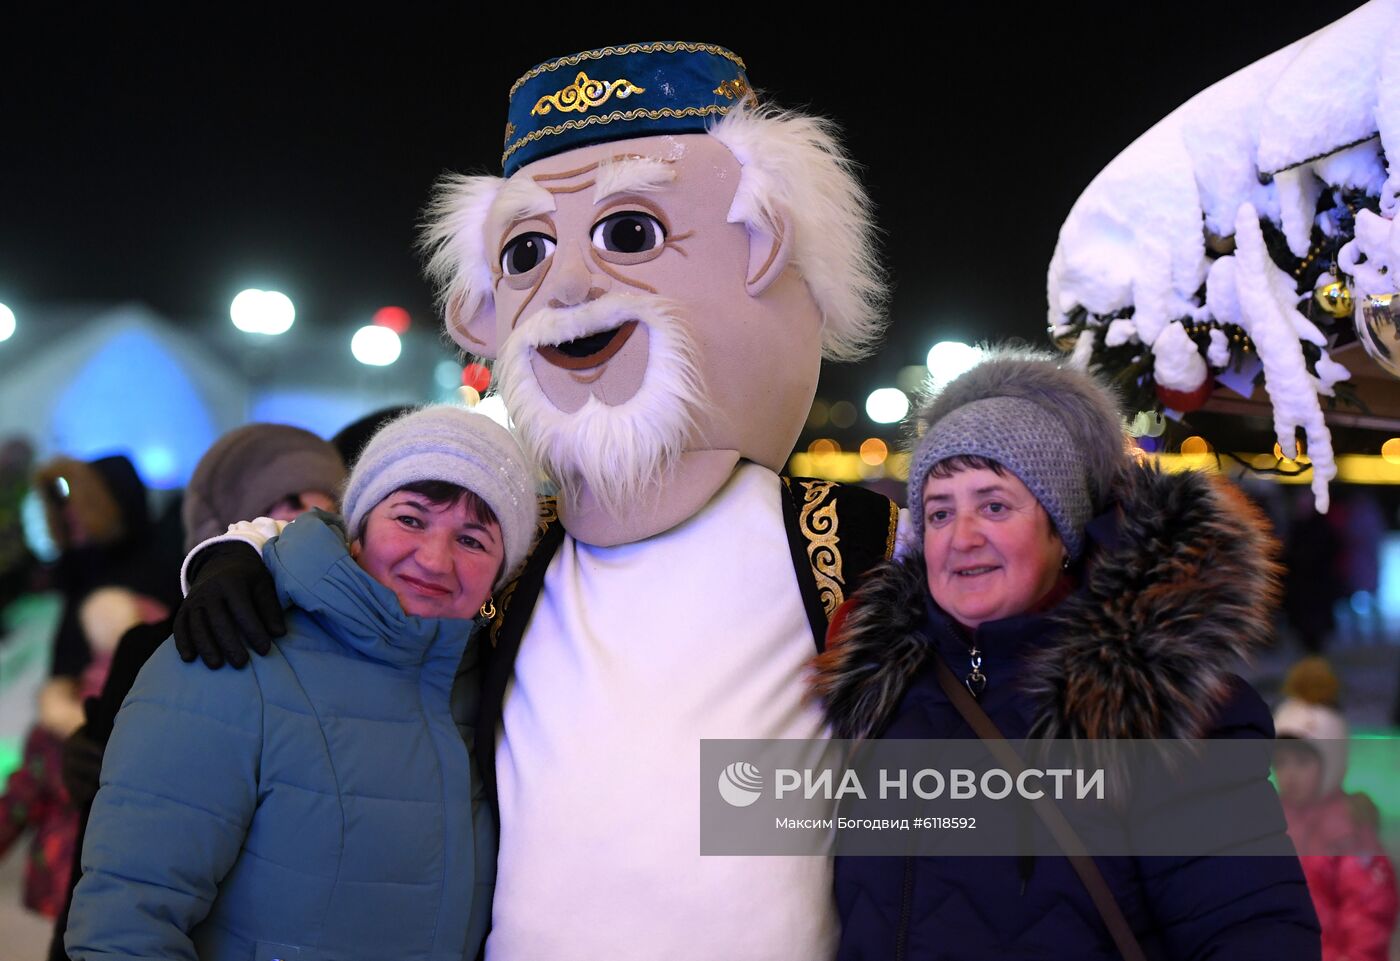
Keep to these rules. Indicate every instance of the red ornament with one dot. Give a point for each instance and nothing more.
(477, 377)
(395, 318)
(1184, 401)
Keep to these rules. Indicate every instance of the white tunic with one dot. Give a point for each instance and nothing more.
(633, 655)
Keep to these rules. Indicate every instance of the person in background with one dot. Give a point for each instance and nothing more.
(269, 470)
(1351, 880)
(16, 562)
(35, 797)
(99, 519)
(322, 803)
(1311, 583)
(35, 800)
(351, 439)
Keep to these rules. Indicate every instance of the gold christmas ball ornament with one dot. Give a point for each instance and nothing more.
(1335, 298)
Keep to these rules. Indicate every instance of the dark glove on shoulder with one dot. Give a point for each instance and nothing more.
(232, 606)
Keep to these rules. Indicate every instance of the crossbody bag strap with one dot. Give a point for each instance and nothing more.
(1050, 815)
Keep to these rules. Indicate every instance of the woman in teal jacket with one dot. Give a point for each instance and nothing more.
(322, 804)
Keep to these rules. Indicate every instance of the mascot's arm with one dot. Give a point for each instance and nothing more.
(230, 599)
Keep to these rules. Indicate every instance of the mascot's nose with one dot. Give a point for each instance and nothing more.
(574, 282)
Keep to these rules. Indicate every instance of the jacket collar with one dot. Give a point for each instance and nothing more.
(1178, 587)
(313, 570)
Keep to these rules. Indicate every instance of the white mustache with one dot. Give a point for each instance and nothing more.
(551, 326)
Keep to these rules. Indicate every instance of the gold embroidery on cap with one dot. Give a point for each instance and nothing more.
(732, 89)
(584, 94)
(510, 131)
(630, 48)
(623, 115)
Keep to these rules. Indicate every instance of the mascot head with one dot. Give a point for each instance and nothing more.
(658, 276)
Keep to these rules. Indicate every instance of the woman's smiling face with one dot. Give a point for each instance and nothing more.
(440, 560)
(990, 547)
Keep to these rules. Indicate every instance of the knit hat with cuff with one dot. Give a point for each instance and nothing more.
(449, 443)
(1057, 429)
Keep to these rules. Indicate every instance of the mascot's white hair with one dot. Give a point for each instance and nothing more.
(795, 174)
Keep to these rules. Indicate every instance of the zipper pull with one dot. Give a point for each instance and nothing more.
(976, 681)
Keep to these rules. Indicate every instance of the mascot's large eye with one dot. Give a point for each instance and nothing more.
(629, 232)
(526, 252)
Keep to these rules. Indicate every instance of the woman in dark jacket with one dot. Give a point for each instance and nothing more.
(1075, 594)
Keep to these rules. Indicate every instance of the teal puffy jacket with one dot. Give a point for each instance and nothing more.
(319, 805)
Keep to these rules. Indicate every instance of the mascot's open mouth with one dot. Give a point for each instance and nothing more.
(585, 352)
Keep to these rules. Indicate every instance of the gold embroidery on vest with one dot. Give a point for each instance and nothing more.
(894, 530)
(818, 523)
(584, 94)
(502, 604)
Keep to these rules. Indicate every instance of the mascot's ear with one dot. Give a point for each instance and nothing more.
(471, 321)
(769, 252)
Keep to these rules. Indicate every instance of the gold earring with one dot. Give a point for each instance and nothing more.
(488, 610)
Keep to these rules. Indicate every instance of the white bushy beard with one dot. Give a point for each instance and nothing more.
(619, 454)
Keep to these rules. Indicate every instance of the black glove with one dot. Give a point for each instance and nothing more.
(82, 763)
(232, 605)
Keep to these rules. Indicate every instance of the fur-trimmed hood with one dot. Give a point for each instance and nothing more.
(1177, 590)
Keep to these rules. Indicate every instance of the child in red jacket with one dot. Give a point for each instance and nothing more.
(1349, 876)
(35, 799)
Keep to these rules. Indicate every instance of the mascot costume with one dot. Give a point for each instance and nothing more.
(658, 276)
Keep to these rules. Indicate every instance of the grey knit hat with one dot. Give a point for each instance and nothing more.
(449, 443)
(250, 469)
(1057, 429)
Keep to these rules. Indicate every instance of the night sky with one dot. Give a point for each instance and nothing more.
(176, 159)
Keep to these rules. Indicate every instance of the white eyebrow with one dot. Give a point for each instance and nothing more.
(520, 199)
(639, 174)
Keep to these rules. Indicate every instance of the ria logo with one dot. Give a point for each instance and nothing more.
(740, 784)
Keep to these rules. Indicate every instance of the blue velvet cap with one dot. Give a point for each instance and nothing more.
(632, 90)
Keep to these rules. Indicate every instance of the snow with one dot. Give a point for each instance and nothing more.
(1134, 238)
(1177, 363)
(1357, 168)
(1219, 352)
(1326, 96)
(1120, 332)
(1378, 240)
(1267, 142)
(1083, 350)
(1265, 317)
(1221, 299)
(1298, 191)
(1388, 117)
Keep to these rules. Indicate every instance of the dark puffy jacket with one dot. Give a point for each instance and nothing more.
(1177, 586)
(319, 805)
